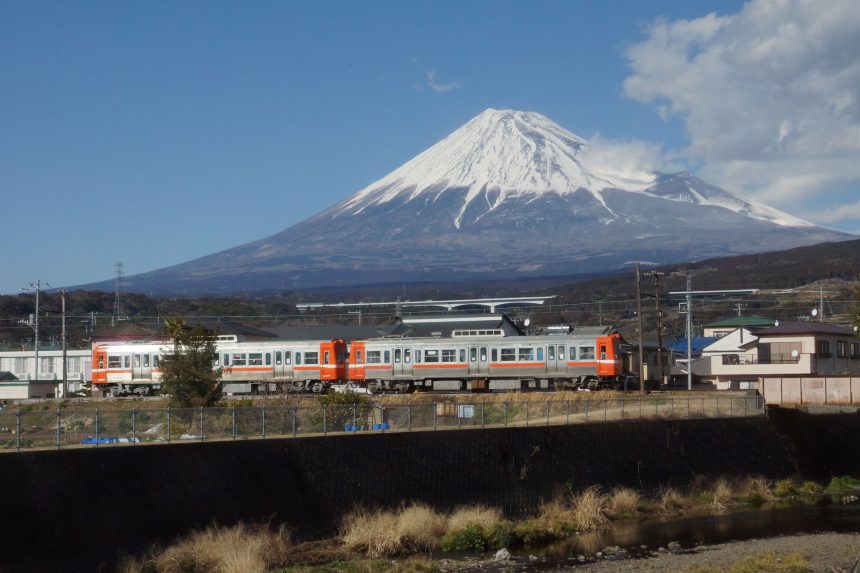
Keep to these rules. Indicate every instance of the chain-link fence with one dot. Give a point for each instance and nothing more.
(41, 429)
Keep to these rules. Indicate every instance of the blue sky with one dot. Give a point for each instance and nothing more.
(156, 132)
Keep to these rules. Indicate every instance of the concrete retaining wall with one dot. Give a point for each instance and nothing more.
(80, 508)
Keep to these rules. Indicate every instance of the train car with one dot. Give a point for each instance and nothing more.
(133, 368)
(487, 360)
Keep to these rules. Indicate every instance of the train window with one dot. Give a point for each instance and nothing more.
(407, 356)
(325, 357)
(358, 357)
(255, 359)
(473, 354)
(137, 360)
(146, 360)
(417, 356)
(387, 357)
(373, 357)
(226, 360)
(312, 357)
(509, 354)
(397, 356)
(278, 359)
(287, 357)
(155, 360)
(127, 361)
(540, 354)
(494, 355)
(483, 354)
(561, 352)
(268, 358)
(298, 357)
(573, 352)
(431, 356)
(113, 362)
(526, 354)
(550, 352)
(101, 361)
(450, 355)
(239, 360)
(586, 352)
(603, 352)
(462, 355)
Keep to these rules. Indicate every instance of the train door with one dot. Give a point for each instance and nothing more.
(141, 367)
(553, 360)
(283, 367)
(478, 361)
(402, 362)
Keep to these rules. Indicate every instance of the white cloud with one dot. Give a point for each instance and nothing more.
(439, 87)
(635, 158)
(770, 96)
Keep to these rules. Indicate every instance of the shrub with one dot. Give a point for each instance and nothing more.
(380, 533)
(227, 550)
(754, 491)
(810, 488)
(671, 502)
(468, 538)
(589, 509)
(478, 515)
(722, 495)
(784, 488)
(623, 503)
(842, 484)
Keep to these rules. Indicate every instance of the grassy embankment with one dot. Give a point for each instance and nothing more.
(369, 539)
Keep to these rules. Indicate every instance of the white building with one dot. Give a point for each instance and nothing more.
(18, 373)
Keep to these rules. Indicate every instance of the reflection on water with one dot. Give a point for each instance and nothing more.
(829, 515)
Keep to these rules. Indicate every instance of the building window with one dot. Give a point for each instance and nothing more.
(841, 349)
(824, 348)
(855, 350)
(46, 365)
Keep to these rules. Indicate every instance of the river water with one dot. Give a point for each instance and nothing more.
(639, 539)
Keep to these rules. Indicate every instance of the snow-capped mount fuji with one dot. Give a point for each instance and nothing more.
(507, 154)
(508, 194)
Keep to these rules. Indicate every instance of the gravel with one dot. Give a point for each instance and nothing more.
(826, 552)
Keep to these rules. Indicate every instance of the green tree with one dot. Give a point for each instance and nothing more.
(188, 372)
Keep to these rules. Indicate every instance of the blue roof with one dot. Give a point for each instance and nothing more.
(679, 345)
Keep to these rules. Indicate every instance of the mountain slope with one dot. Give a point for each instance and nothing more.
(508, 194)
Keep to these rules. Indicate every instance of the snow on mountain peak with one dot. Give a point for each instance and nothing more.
(514, 153)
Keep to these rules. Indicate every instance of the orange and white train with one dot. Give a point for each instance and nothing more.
(476, 360)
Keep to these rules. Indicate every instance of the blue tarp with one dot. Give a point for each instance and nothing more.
(679, 345)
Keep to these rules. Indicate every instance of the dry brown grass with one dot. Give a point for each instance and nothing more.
(237, 549)
(671, 502)
(723, 495)
(384, 533)
(477, 515)
(755, 490)
(589, 509)
(623, 502)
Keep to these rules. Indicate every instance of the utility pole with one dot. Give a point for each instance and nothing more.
(820, 304)
(659, 313)
(689, 331)
(639, 322)
(65, 356)
(117, 301)
(33, 322)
